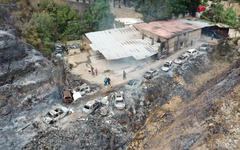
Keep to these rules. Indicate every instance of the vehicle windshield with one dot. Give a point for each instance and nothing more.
(166, 65)
(119, 102)
(87, 107)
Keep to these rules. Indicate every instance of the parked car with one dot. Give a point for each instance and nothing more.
(67, 97)
(184, 56)
(133, 82)
(167, 66)
(192, 51)
(55, 114)
(91, 106)
(119, 100)
(205, 45)
(203, 48)
(149, 74)
(178, 61)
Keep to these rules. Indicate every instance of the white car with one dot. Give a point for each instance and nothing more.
(91, 106)
(167, 66)
(149, 74)
(192, 51)
(184, 56)
(119, 100)
(55, 114)
(177, 61)
(203, 48)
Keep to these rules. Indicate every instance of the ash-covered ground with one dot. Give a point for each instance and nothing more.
(30, 85)
(27, 85)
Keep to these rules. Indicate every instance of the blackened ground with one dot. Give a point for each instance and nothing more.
(28, 83)
(121, 129)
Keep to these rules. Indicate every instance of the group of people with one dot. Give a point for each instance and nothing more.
(93, 71)
(107, 81)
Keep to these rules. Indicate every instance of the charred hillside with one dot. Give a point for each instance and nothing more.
(27, 83)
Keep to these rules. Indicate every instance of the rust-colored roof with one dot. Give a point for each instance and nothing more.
(167, 29)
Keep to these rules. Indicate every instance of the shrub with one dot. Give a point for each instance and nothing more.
(56, 22)
(216, 14)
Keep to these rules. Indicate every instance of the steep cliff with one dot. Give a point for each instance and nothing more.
(27, 83)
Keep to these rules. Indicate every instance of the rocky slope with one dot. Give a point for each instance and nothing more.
(27, 84)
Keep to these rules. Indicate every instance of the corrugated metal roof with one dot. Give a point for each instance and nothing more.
(203, 24)
(167, 29)
(122, 43)
(197, 23)
(129, 21)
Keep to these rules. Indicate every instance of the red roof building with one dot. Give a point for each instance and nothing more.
(166, 29)
(172, 35)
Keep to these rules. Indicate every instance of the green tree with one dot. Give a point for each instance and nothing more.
(153, 10)
(41, 32)
(164, 9)
(179, 6)
(100, 15)
(49, 6)
(230, 17)
(216, 14)
(184, 6)
(55, 22)
(63, 16)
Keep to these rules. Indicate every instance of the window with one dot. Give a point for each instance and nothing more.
(184, 34)
(181, 44)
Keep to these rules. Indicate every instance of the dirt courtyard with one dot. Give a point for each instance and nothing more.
(82, 61)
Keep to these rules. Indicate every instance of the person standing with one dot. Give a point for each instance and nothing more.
(105, 81)
(92, 69)
(96, 71)
(109, 81)
(124, 75)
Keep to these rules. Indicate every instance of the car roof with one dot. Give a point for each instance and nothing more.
(191, 50)
(67, 94)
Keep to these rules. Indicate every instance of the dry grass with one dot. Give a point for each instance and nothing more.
(202, 79)
(173, 104)
(228, 116)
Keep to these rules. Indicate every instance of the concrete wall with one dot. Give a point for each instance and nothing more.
(177, 42)
(183, 40)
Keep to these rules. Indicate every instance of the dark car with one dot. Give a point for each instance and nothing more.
(67, 97)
